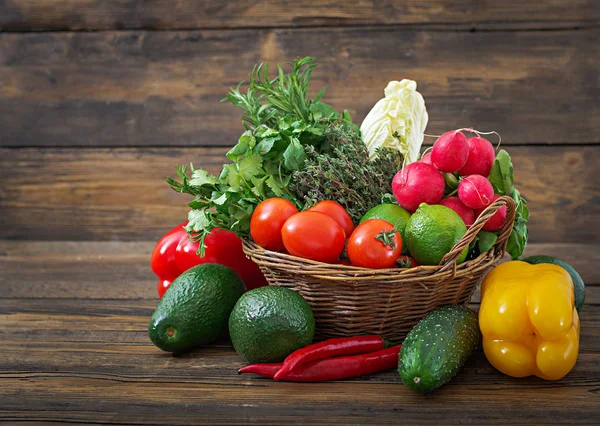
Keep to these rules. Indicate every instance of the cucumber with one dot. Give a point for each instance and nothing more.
(436, 348)
(578, 283)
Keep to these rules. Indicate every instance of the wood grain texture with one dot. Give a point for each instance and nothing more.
(27, 15)
(121, 270)
(120, 194)
(163, 88)
(91, 361)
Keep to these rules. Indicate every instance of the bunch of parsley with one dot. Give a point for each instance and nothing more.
(281, 121)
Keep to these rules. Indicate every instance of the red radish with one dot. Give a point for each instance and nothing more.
(426, 158)
(481, 157)
(495, 222)
(450, 151)
(467, 214)
(418, 183)
(475, 191)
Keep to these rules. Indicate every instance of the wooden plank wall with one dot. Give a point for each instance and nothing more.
(100, 100)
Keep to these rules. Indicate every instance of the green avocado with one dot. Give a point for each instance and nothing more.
(578, 283)
(195, 309)
(269, 323)
(437, 347)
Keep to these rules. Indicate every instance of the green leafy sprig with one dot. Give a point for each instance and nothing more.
(502, 179)
(282, 122)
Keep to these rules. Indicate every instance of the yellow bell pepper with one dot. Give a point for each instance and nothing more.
(528, 320)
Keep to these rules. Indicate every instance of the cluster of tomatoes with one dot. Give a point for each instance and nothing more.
(322, 232)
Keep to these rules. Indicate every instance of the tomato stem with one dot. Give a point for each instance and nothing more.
(387, 238)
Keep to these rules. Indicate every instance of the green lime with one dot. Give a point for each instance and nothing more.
(269, 323)
(393, 214)
(432, 231)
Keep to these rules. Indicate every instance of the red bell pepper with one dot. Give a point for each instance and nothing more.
(175, 253)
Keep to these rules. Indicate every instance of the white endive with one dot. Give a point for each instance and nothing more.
(397, 121)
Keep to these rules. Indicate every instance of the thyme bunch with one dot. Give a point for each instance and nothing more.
(344, 173)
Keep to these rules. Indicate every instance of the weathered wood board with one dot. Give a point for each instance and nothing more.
(163, 88)
(28, 15)
(91, 361)
(120, 194)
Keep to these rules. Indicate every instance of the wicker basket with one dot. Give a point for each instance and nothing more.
(350, 301)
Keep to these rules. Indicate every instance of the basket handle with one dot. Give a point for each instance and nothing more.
(449, 260)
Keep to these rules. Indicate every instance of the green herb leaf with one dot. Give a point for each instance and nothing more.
(502, 179)
(266, 145)
(250, 166)
(486, 240)
(294, 155)
(258, 187)
(201, 177)
(519, 235)
(199, 221)
(517, 240)
(231, 176)
(501, 175)
(346, 116)
(388, 198)
(241, 148)
(222, 199)
(276, 186)
(319, 95)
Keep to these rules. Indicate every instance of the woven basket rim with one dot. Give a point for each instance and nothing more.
(448, 268)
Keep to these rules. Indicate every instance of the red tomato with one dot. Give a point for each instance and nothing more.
(268, 219)
(406, 262)
(365, 250)
(162, 261)
(335, 210)
(313, 235)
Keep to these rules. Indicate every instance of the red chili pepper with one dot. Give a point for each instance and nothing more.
(333, 368)
(328, 349)
(346, 367)
(264, 370)
(175, 253)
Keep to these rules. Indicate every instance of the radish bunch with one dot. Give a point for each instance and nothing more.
(453, 158)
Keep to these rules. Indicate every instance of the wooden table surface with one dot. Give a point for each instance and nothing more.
(100, 100)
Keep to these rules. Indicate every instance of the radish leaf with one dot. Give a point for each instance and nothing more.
(501, 175)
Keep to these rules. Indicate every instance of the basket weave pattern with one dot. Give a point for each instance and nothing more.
(350, 301)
